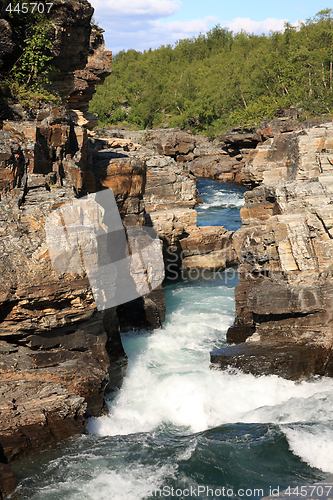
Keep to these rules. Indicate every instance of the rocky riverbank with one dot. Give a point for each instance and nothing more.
(284, 298)
(170, 195)
(283, 301)
(58, 353)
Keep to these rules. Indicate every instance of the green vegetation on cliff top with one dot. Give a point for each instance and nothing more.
(29, 78)
(220, 79)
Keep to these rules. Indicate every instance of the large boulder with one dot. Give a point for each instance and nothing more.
(172, 142)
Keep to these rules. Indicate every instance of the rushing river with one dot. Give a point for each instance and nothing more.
(177, 429)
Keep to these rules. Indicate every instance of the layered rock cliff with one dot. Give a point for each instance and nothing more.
(225, 157)
(284, 298)
(170, 196)
(58, 353)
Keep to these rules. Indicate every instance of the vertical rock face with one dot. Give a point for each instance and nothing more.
(53, 357)
(98, 67)
(226, 157)
(126, 176)
(168, 192)
(58, 354)
(7, 481)
(71, 32)
(285, 248)
(50, 151)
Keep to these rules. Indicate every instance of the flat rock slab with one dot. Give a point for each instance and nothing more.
(285, 360)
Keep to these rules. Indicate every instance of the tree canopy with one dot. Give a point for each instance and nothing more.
(220, 79)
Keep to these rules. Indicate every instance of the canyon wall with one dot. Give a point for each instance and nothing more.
(58, 353)
(170, 197)
(285, 247)
(224, 158)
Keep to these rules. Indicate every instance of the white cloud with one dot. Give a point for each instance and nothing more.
(194, 26)
(150, 9)
(138, 24)
(257, 27)
(299, 23)
(144, 34)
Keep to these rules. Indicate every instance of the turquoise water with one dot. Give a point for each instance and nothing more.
(221, 204)
(177, 429)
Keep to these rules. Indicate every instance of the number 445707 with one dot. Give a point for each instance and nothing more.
(24, 8)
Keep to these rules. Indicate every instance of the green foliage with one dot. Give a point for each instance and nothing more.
(220, 79)
(25, 95)
(33, 66)
(32, 73)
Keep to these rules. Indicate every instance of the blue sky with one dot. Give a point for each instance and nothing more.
(144, 24)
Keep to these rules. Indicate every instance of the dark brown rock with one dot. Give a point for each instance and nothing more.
(7, 481)
(238, 334)
(172, 142)
(98, 67)
(220, 167)
(53, 146)
(224, 158)
(36, 414)
(144, 313)
(239, 138)
(125, 176)
(71, 32)
(278, 298)
(6, 40)
(289, 361)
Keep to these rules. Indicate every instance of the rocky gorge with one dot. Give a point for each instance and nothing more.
(283, 318)
(283, 301)
(59, 355)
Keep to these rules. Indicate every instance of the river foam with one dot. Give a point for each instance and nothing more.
(178, 424)
(169, 380)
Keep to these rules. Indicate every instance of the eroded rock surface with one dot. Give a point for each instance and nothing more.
(7, 481)
(169, 196)
(98, 67)
(175, 143)
(285, 248)
(208, 248)
(58, 353)
(56, 340)
(228, 157)
(224, 158)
